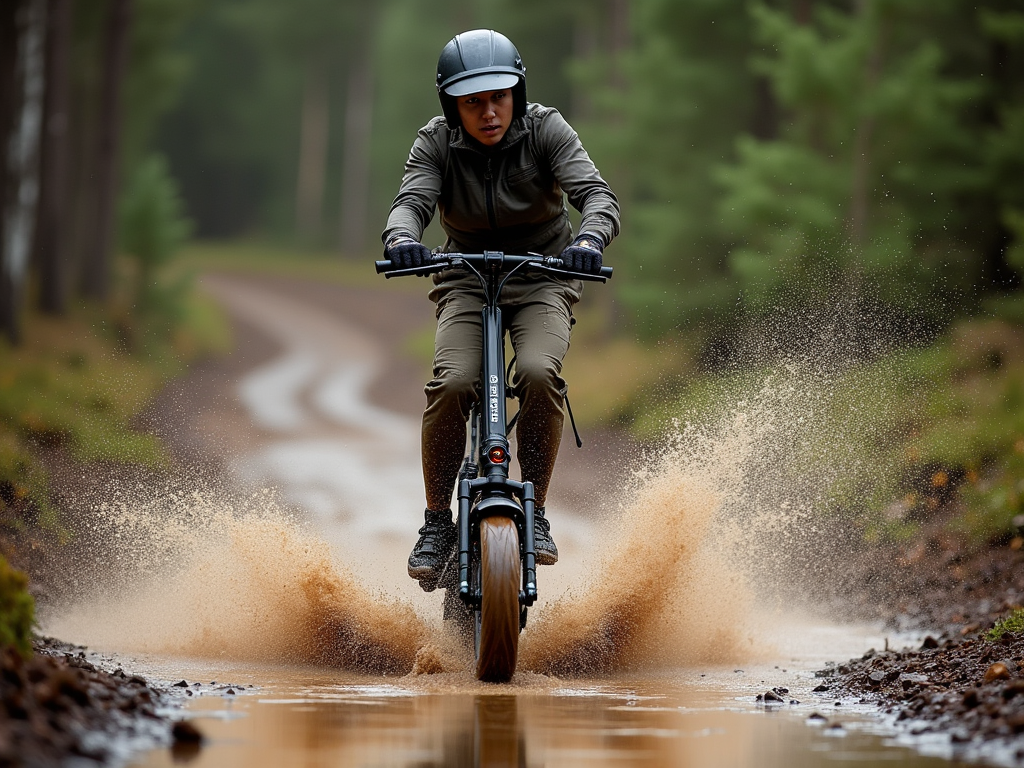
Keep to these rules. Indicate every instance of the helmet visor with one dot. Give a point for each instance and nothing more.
(494, 81)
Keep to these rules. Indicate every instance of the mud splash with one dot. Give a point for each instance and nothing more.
(692, 553)
(733, 511)
(198, 577)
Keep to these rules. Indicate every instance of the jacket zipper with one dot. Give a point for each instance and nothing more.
(490, 197)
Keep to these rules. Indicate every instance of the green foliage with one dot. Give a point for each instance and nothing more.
(17, 610)
(1012, 623)
(67, 386)
(869, 169)
(158, 70)
(24, 485)
(153, 229)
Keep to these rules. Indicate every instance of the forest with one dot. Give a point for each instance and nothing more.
(769, 155)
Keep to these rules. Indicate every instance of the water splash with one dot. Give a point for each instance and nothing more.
(208, 577)
(733, 501)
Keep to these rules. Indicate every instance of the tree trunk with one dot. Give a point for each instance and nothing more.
(96, 277)
(309, 197)
(53, 216)
(355, 172)
(22, 114)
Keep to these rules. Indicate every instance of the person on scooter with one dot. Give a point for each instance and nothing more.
(498, 169)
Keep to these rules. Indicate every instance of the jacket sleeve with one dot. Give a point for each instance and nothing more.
(576, 173)
(414, 206)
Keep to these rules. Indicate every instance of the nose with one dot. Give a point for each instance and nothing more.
(489, 110)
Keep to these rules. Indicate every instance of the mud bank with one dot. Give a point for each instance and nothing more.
(958, 685)
(971, 690)
(58, 706)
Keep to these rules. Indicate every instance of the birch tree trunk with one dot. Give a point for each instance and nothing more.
(23, 116)
(96, 276)
(313, 136)
(355, 172)
(52, 218)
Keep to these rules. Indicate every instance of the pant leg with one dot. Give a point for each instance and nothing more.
(539, 323)
(451, 392)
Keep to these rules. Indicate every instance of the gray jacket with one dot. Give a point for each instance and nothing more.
(508, 198)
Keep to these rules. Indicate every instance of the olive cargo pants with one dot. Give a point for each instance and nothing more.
(537, 313)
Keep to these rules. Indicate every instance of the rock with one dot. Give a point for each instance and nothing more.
(817, 717)
(929, 643)
(908, 681)
(181, 684)
(876, 678)
(184, 731)
(997, 671)
(820, 688)
(781, 691)
(229, 692)
(1013, 688)
(970, 699)
(771, 697)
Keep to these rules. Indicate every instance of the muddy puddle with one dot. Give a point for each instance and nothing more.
(308, 717)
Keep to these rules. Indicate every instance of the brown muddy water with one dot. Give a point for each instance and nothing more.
(290, 581)
(313, 718)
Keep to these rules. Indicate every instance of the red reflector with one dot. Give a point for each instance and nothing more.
(496, 455)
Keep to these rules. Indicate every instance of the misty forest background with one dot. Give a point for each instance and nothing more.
(772, 158)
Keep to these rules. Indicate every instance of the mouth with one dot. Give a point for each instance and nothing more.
(490, 130)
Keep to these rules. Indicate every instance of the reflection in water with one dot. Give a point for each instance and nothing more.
(484, 732)
(456, 722)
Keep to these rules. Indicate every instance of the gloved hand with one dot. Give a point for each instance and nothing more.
(406, 253)
(584, 254)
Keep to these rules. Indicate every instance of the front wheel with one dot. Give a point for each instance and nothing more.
(496, 627)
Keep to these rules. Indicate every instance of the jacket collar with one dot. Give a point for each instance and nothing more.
(519, 128)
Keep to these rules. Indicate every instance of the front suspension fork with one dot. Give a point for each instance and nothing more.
(528, 594)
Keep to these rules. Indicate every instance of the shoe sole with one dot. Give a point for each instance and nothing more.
(546, 558)
(426, 576)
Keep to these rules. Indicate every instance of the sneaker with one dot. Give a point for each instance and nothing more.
(437, 539)
(543, 544)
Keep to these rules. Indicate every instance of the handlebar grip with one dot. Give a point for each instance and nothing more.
(606, 271)
(382, 266)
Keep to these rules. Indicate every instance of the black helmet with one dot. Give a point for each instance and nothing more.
(480, 60)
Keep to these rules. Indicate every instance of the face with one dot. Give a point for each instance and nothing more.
(486, 115)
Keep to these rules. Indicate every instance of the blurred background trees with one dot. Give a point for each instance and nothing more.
(767, 153)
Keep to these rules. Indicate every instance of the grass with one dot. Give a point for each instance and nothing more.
(78, 382)
(17, 610)
(1012, 623)
(928, 425)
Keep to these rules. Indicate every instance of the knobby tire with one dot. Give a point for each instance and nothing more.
(497, 622)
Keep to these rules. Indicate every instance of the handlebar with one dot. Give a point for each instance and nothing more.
(489, 260)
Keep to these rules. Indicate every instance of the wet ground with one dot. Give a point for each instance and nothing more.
(320, 404)
(307, 717)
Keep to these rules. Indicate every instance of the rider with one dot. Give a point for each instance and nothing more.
(496, 167)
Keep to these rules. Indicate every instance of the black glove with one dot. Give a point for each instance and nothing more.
(406, 253)
(584, 254)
